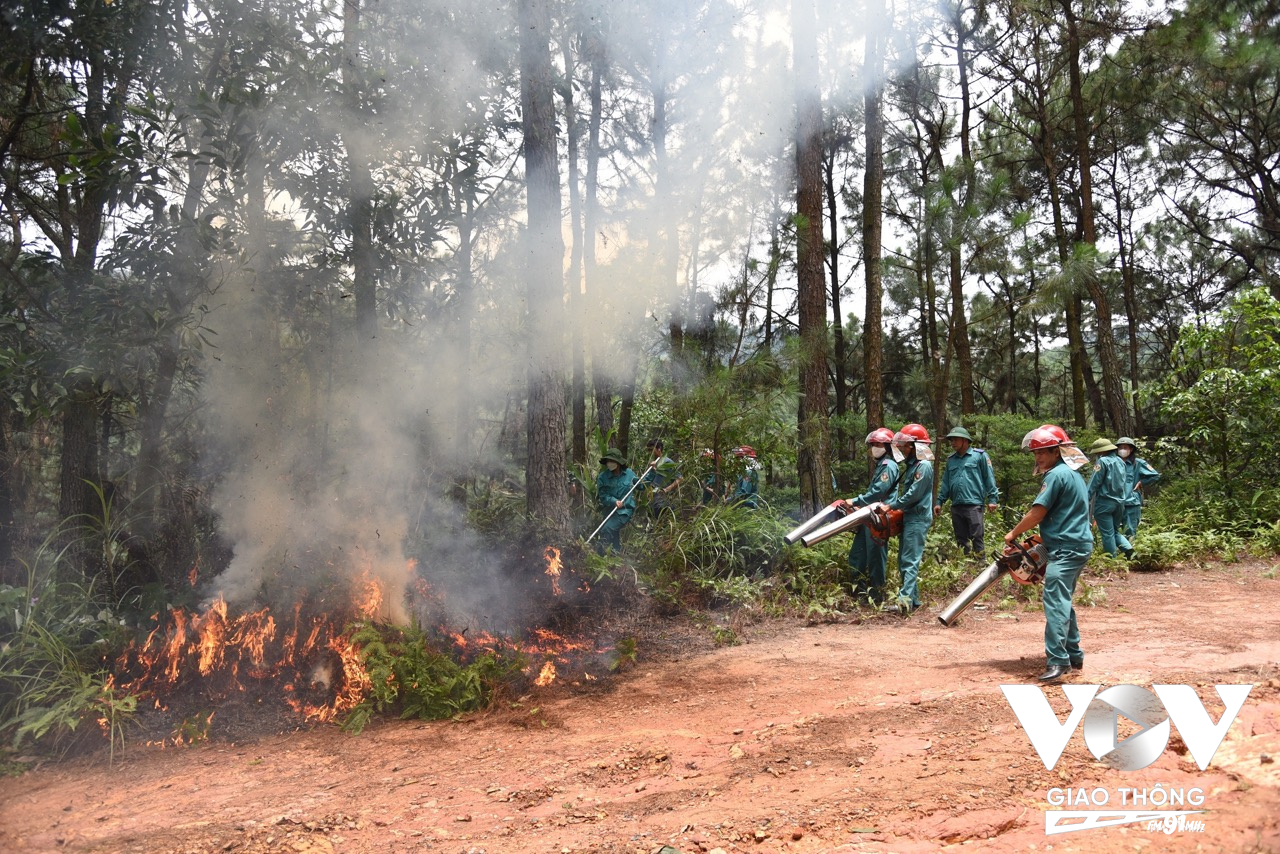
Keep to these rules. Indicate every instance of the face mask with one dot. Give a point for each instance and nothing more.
(611, 466)
(877, 451)
(1124, 452)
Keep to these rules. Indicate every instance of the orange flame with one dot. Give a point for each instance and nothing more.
(310, 656)
(225, 650)
(553, 568)
(547, 676)
(369, 599)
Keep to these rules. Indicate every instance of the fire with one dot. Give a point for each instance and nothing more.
(311, 657)
(306, 658)
(370, 600)
(540, 644)
(553, 568)
(547, 676)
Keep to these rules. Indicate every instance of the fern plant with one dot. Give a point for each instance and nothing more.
(413, 680)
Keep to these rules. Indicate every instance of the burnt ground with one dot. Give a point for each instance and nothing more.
(871, 734)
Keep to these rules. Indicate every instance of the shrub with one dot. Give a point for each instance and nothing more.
(733, 554)
(412, 679)
(1156, 550)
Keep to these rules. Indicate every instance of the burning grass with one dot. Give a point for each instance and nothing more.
(347, 665)
(303, 666)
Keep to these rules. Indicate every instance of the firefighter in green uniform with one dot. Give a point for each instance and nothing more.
(746, 490)
(614, 495)
(1141, 476)
(710, 493)
(1108, 488)
(969, 483)
(914, 497)
(1061, 510)
(869, 559)
(663, 477)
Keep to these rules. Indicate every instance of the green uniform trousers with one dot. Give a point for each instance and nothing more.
(1110, 518)
(1061, 634)
(869, 563)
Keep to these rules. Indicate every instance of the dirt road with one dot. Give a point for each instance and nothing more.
(881, 734)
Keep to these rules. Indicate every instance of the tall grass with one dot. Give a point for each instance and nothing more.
(55, 632)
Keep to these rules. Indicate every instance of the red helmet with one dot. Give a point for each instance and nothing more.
(1045, 436)
(744, 451)
(1059, 432)
(912, 433)
(882, 435)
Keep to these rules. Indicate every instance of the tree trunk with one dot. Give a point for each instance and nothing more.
(1071, 311)
(8, 498)
(601, 380)
(464, 424)
(844, 443)
(813, 457)
(578, 383)
(1124, 242)
(872, 213)
(545, 473)
(936, 367)
(625, 407)
(150, 468)
(667, 232)
(1113, 389)
(959, 333)
(959, 319)
(360, 174)
(79, 457)
(771, 278)
(1011, 312)
(76, 497)
(150, 441)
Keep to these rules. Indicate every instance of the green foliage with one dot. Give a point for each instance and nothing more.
(1001, 437)
(945, 570)
(730, 554)
(1220, 399)
(724, 636)
(1266, 539)
(750, 403)
(1088, 593)
(625, 652)
(411, 679)
(193, 729)
(496, 509)
(53, 635)
(1155, 550)
(720, 541)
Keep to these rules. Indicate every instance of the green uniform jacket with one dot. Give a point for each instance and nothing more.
(915, 492)
(748, 488)
(610, 487)
(1109, 481)
(665, 472)
(883, 479)
(1065, 527)
(1140, 472)
(969, 478)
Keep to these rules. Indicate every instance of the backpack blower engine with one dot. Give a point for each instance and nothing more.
(1024, 562)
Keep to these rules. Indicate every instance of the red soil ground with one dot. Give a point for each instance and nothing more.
(871, 734)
